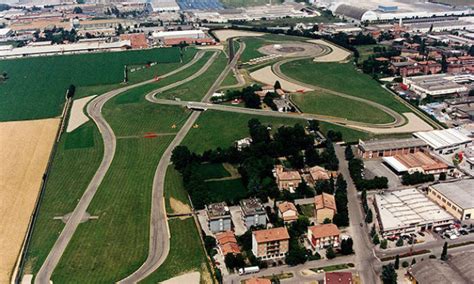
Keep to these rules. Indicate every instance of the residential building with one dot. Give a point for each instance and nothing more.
(338, 278)
(227, 243)
(287, 211)
(445, 141)
(253, 212)
(324, 235)
(317, 173)
(219, 217)
(271, 244)
(435, 271)
(389, 147)
(410, 68)
(192, 34)
(324, 207)
(417, 162)
(455, 197)
(287, 179)
(408, 211)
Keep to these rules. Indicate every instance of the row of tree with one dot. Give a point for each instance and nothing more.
(356, 169)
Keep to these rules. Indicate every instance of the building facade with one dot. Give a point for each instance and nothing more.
(324, 207)
(271, 244)
(288, 212)
(253, 212)
(323, 236)
(457, 198)
(219, 218)
(286, 179)
(389, 147)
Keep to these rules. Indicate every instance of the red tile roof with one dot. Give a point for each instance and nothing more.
(258, 281)
(227, 242)
(324, 230)
(325, 200)
(338, 278)
(271, 235)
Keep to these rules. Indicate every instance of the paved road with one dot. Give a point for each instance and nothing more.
(367, 263)
(159, 231)
(94, 110)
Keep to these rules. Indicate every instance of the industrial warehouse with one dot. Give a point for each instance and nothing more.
(408, 211)
(390, 147)
(446, 141)
(455, 197)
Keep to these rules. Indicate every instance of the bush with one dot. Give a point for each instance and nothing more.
(405, 264)
(383, 244)
(399, 242)
(330, 254)
(416, 178)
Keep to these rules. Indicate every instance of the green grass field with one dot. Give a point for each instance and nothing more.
(229, 80)
(174, 188)
(327, 104)
(196, 89)
(212, 171)
(36, 86)
(186, 253)
(232, 189)
(366, 50)
(342, 78)
(71, 172)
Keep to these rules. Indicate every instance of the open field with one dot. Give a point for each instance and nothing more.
(36, 86)
(176, 197)
(330, 105)
(196, 89)
(186, 253)
(268, 77)
(73, 166)
(337, 53)
(223, 190)
(24, 154)
(342, 78)
(366, 50)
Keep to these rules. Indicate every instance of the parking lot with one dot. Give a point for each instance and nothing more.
(377, 168)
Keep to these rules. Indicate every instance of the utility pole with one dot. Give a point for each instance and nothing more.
(125, 74)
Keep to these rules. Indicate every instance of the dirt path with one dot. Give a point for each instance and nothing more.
(25, 148)
(223, 35)
(77, 116)
(336, 54)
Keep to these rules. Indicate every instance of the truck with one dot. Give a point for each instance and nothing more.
(248, 270)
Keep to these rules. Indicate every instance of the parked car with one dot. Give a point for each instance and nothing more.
(421, 234)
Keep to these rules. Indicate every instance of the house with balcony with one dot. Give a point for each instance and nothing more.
(287, 211)
(270, 244)
(253, 212)
(323, 236)
(219, 218)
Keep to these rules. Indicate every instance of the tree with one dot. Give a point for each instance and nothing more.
(77, 10)
(330, 254)
(413, 262)
(277, 85)
(348, 153)
(230, 261)
(442, 176)
(296, 253)
(209, 243)
(239, 261)
(444, 64)
(383, 244)
(375, 239)
(405, 264)
(399, 242)
(346, 246)
(369, 217)
(327, 221)
(444, 254)
(389, 275)
(181, 157)
(71, 91)
(396, 265)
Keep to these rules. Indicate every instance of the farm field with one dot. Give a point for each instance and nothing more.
(35, 90)
(342, 78)
(64, 188)
(327, 104)
(197, 88)
(24, 154)
(186, 253)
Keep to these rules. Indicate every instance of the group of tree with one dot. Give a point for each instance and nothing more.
(56, 35)
(416, 178)
(247, 94)
(341, 218)
(356, 169)
(389, 274)
(365, 205)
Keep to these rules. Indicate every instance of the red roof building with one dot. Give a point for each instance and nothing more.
(137, 41)
(338, 278)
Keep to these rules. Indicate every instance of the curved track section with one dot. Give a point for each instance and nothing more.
(399, 119)
(94, 109)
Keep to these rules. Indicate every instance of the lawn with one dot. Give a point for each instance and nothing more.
(174, 188)
(72, 170)
(366, 50)
(212, 171)
(224, 190)
(330, 105)
(36, 86)
(348, 134)
(229, 80)
(196, 89)
(334, 267)
(186, 253)
(342, 78)
(308, 210)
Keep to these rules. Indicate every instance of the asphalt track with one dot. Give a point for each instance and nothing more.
(94, 109)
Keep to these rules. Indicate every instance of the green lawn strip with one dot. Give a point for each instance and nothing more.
(174, 188)
(116, 244)
(224, 190)
(331, 105)
(36, 86)
(342, 78)
(229, 80)
(82, 137)
(71, 172)
(366, 50)
(186, 252)
(334, 267)
(196, 89)
(211, 171)
(308, 210)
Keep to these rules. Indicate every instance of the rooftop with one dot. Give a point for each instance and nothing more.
(386, 144)
(256, 280)
(252, 206)
(338, 278)
(406, 208)
(319, 173)
(271, 235)
(460, 192)
(324, 230)
(433, 271)
(443, 138)
(404, 162)
(325, 200)
(286, 206)
(216, 210)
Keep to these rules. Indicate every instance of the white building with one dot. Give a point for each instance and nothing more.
(408, 211)
(445, 141)
(5, 32)
(438, 84)
(162, 35)
(164, 6)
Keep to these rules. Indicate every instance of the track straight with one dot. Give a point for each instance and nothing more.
(94, 109)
